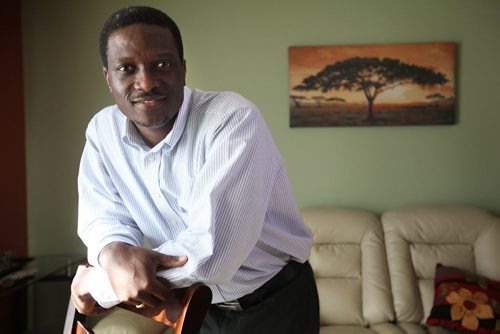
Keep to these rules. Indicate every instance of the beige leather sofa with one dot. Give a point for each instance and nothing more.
(375, 273)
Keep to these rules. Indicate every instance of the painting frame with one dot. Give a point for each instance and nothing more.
(373, 84)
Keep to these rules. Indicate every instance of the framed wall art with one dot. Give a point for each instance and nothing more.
(372, 85)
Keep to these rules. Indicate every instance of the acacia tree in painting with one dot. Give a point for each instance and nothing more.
(371, 76)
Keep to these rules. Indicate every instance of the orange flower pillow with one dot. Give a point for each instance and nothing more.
(465, 302)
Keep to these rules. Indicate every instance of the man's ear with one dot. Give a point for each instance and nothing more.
(106, 77)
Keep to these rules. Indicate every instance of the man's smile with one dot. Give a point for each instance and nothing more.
(149, 101)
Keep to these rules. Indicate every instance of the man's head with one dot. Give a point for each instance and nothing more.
(144, 69)
(133, 15)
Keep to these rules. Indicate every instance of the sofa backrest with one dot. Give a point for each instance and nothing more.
(418, 238)
(349, 264)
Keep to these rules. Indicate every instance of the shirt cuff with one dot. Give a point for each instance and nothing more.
(100, 288)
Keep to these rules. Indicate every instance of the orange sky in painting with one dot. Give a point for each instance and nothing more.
(309, 60)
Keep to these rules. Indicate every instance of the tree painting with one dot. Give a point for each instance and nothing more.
(405, 84)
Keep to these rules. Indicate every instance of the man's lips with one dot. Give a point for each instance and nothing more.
(147, 100)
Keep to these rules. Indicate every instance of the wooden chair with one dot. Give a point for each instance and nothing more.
(194, 303)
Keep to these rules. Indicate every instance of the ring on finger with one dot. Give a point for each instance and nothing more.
(140, 306)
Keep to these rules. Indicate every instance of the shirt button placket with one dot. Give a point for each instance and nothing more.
(154, 162)
(151, 164)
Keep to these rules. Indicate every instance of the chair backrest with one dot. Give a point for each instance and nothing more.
(195, 302)
(349, 265)
(419, 238)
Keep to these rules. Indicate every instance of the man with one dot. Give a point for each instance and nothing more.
(198, 176)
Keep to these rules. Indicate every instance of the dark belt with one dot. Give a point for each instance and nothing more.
(286, 275)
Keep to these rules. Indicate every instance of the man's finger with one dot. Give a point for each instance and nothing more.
(168, 261)
(160, 289)
(152, 299)
(87, 305)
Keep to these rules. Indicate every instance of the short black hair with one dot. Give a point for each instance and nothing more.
(137, 14)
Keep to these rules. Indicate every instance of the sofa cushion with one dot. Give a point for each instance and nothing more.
(349, 264)
(465, 301)
(385, 328)
(418, 238)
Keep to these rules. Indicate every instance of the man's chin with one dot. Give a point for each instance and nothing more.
(155, 124)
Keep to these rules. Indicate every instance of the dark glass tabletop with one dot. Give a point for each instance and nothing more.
(40, 267)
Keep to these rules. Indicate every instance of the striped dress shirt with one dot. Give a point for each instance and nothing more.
(215, 189)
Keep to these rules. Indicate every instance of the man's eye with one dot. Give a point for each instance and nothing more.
(164, 64)
(126, 68)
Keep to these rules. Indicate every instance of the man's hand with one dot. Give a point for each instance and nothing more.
(132, 273)
(80, 294)
(167, 312)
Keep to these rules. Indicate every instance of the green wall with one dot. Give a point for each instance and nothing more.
(242, 46)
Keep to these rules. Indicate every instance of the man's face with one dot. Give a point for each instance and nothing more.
(146, 76)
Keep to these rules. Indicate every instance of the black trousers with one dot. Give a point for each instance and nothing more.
(288, 303)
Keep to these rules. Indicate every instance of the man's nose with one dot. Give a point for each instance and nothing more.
(145, 80)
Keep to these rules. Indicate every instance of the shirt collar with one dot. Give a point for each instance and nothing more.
(131, 136)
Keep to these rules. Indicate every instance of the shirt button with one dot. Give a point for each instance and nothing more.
(151, 158)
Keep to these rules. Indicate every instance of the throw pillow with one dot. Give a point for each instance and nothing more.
(465, 302)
